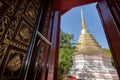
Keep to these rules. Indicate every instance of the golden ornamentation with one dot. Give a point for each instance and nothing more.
(45, 32)
(12, 28)
(10, 11)
(14, 64)
(4, 22)
(15, 44)
(37, 3)
(16, 17)
(25, 33)
(41, 56)
(1, 4)
(3, 49)
(31, 12)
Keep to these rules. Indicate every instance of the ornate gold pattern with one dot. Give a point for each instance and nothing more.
(45, 33)
(36, 3)
(12, 28)
(7, 17)
(41, 56)
(15, 44)
(17, 32)
(31, 12)
(14, 64)
(0, 4)
(3, 23)
(3, 49)
(24, 34)
(15, 21)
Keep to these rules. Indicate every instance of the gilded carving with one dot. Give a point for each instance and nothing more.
(3, 23)
(10, 11)
(9, 34)
(3, 48)
(41, 56)
(24, 34)
(37, 3)
(45, 32)
(12, 28)
(17, 35)
(5, 20)
(31, 12)
(14, 64)
(15, 44)
(15, 20)
(1, 4)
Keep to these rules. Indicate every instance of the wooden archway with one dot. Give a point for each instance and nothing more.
(110, 17)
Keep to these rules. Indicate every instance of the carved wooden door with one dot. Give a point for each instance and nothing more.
(40, 52)
(24, 34)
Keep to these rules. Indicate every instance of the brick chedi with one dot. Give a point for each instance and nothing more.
(89, 60)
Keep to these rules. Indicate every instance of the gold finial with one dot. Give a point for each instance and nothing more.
(83, 22)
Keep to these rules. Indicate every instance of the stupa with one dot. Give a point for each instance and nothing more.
(89, 60)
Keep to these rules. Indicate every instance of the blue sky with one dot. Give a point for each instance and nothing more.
(71, 23)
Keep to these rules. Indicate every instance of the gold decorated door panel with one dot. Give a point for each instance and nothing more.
(17, 24)
(41, 50)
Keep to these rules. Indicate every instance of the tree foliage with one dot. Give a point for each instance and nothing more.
(108, 52)
(67, 46)
(65, 54)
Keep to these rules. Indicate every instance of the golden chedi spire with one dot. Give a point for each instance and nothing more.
(86, 43)
(83, 21)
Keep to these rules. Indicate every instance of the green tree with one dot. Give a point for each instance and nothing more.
(108, 52)
(65, 55)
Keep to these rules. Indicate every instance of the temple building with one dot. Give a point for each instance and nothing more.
(89, 60)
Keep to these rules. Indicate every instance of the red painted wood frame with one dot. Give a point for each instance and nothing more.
(47, 56)
(53, 64)
(111, 30)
